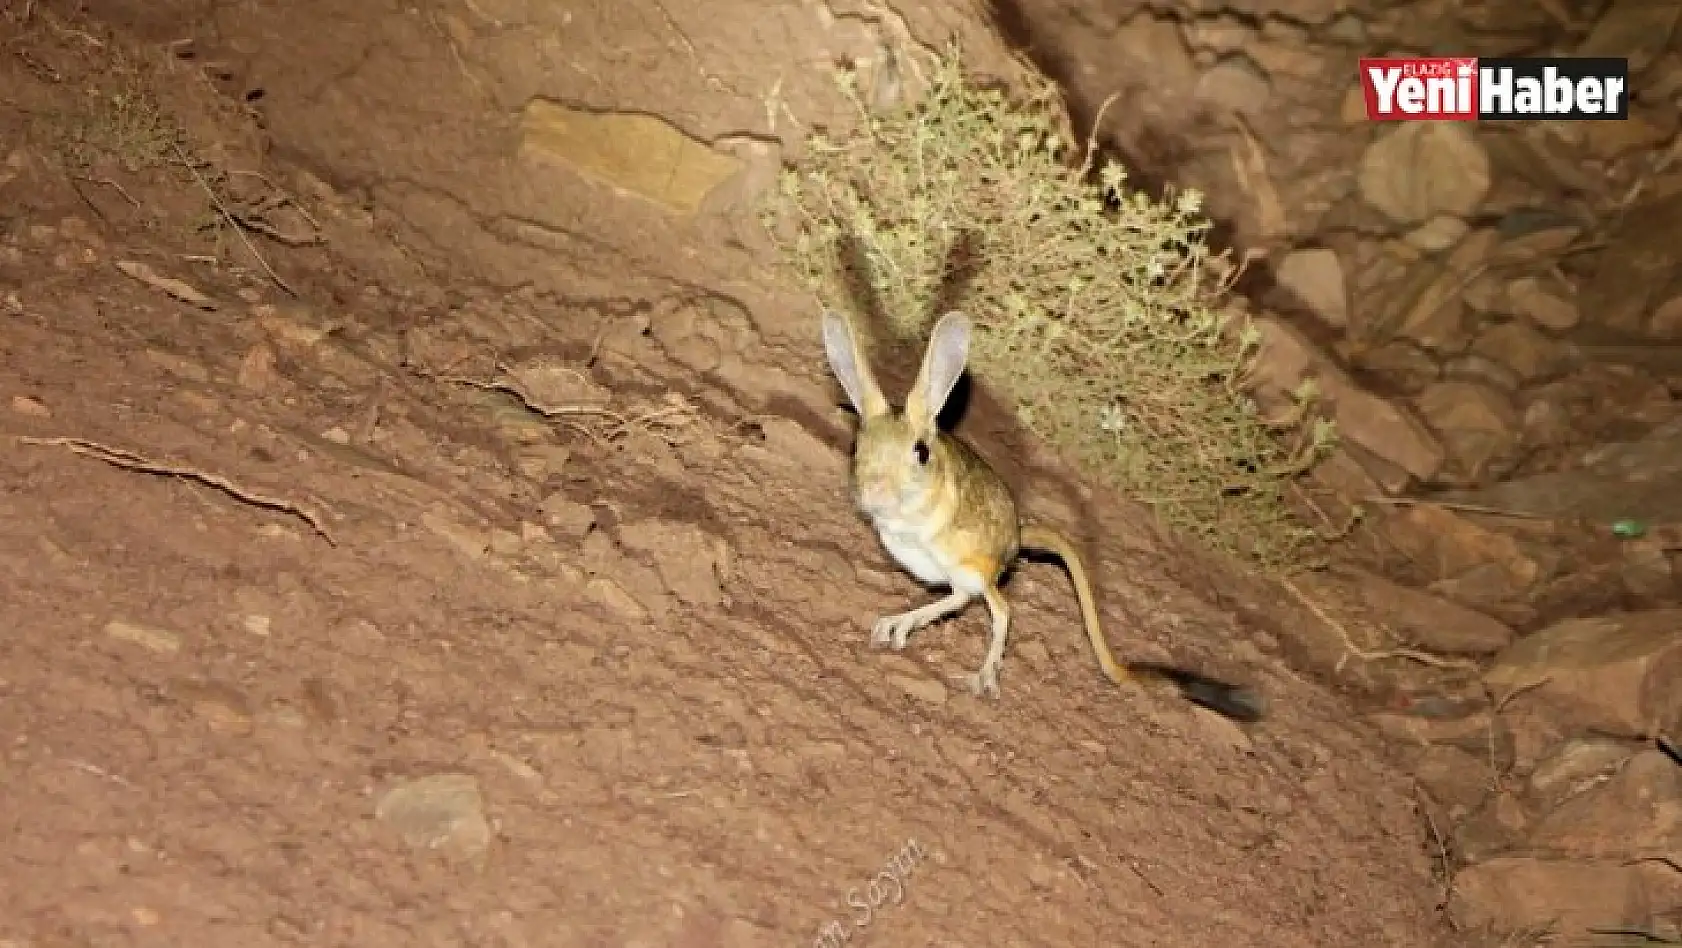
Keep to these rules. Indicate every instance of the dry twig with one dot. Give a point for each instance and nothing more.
(1458, 507)
(675, 413)
(227, 215)
(563, 412)
(133, 462)
(108, 182)
(1423, 658)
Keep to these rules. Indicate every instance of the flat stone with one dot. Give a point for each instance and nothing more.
(1611, 674)
(641, 154)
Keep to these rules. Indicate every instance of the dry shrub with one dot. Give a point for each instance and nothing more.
(1096, 308)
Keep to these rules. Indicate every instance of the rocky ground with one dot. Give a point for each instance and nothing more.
(423, 514)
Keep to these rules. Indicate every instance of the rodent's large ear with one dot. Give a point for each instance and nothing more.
(943, 363)
(849, 366)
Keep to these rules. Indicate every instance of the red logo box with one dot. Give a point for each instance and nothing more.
(1426, 88)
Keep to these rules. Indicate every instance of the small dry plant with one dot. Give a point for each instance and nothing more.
(1096, 307)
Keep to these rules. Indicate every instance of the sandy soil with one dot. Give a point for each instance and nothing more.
(266, 563)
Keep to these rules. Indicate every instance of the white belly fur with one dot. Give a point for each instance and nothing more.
(923, 560)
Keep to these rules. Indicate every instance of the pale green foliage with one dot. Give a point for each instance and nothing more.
(1093, 304)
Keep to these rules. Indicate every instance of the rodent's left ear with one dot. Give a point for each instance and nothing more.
(943, 364)
(850, 367)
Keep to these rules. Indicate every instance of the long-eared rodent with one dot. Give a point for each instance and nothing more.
(950, 520)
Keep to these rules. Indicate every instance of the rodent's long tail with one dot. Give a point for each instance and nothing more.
(1230, 700)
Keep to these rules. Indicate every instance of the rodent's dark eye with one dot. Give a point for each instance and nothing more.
(921, 448)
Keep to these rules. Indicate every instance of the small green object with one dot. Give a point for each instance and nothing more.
(1628, 529)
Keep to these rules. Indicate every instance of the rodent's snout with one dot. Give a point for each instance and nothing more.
(875, 493)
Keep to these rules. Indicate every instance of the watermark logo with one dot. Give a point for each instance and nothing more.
(885, 888)
(1458, 88)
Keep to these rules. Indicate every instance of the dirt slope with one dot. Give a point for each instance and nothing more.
(639, 625)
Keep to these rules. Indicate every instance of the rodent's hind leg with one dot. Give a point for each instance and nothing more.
(986, 679)
(896, 630)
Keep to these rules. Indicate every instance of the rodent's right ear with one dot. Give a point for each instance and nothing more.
(849, 366)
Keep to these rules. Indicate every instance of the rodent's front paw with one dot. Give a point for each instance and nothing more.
(985, 683)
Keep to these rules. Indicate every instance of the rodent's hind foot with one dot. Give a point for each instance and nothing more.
(985, 682)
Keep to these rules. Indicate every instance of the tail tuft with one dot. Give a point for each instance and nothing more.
(1230, 701)
(1239, 704)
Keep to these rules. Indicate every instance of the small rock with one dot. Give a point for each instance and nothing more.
(1638, 29)
(258, 370)
(517, 767)
(1403, 365)
(1666, 321)
(1339, 472)
(1466, 730)
(1514, 893)
(1157, 40)
(1547, 310)
(1482, 370)
(1222, 35)
(1612, 674)
(1637, 811)
(30, 407)
(1423, 169)
(1041, 876)
(157, 640)
(696, 353)
(291, 325)
(1520, 348)
(1542, 243)
(1348, 29)
(225, 709)
(1352, 110)
(1437, 234)
(1430, 306)
(1466, 562)
(1478, 426)
(336, 435)
(1453, 776)
(257, 625)
(568, 517)
(1545, 422)
(1288, 56)
(1663, 83)
(1487, 294)
(927, 690)
(671, 319)
(1636, 265)
(1234, 85)
(1387, 431)
(1614, 140)
(1428, 621)
(443, 812)
(1646, 572)
(1579, 764)
(1316, 277)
